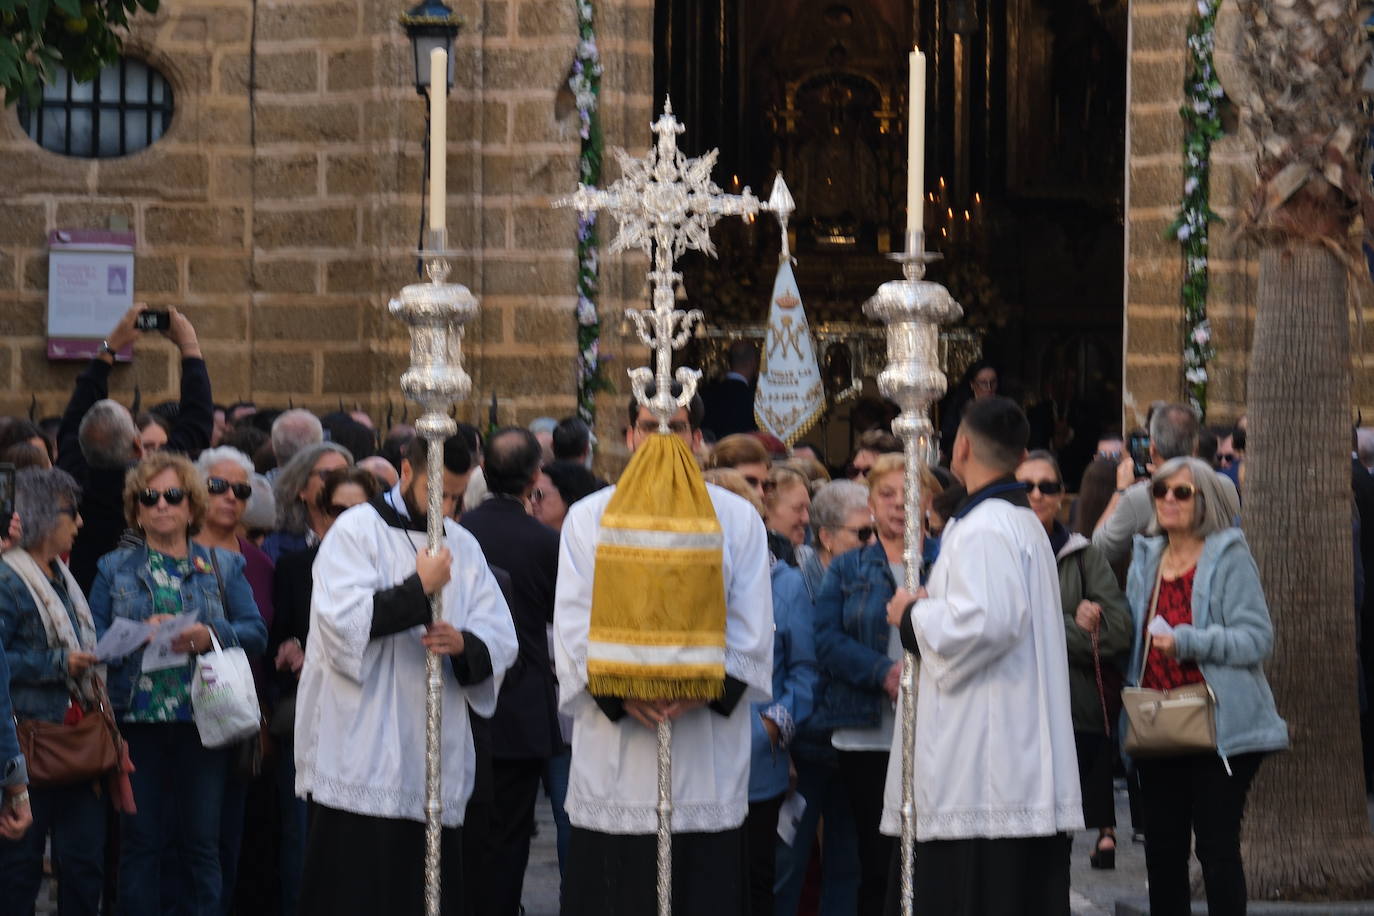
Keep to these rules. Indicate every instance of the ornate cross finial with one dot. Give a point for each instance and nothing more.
(665, 205)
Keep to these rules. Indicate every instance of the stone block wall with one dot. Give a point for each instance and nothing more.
(283, 206)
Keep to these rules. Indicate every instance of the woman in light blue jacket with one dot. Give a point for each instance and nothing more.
(1210, 594)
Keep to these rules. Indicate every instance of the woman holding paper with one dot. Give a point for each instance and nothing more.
(1200, 617)
(49, 639)
(185, 592)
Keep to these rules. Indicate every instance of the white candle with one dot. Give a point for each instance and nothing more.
(438, 136)
(916, 144)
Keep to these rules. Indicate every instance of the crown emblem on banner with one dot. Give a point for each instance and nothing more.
(787, 301)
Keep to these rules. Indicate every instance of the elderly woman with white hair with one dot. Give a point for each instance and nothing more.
(841, 521)
(1197, 575)
(300, 520)
(49, 638)
(228, 482)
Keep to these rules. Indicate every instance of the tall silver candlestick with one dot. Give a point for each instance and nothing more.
(436, 312)
(913, 310)
(666, 204)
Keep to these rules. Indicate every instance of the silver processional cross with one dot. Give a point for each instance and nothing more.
(665, 204)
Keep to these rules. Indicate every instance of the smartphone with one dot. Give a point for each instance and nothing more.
(1140, 454)
(153, 320)
(6, 498)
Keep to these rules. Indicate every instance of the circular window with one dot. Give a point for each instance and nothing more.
(121, 111)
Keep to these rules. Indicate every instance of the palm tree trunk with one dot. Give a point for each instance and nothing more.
(1307, 832)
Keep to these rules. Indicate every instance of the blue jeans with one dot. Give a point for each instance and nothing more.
(819, 783)
(556, 784)
(179, 789)
(293, 822)
(76, 817)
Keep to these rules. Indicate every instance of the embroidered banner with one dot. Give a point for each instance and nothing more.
(790, 397)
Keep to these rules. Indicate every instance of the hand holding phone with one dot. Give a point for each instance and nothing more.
(153, 320)
(1140, 455)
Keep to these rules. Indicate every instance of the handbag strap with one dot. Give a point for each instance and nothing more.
(1097, 652)
(1154, 604)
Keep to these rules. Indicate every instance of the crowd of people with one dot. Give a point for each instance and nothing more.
(300, 539)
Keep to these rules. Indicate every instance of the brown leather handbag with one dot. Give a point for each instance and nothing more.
(65, 755)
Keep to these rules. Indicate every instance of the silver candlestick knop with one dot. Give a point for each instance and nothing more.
(436, 313)
(912, 309)
(665, 204)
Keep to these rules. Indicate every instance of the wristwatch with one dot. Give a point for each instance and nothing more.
(106, 348)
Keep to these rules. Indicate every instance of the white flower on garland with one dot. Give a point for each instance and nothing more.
(1202, 334)
(1196, 376)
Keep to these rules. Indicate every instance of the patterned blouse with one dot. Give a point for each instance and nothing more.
(165, 695)
(1175, 606)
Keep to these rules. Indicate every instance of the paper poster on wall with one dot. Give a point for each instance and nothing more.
(90, 286)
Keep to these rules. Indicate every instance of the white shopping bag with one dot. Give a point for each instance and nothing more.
(223, 700)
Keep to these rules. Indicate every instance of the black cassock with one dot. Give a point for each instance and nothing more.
(617, 875)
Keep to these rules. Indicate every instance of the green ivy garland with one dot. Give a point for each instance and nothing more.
(585, 83)
(1202, 94)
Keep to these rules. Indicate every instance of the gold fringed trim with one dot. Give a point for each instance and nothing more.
(640, 688)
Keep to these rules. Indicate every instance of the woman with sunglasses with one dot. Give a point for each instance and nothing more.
(171, 581)
(228, 475)
(1097, 627)
(49, 643)
(339, 490)
(1197, 574)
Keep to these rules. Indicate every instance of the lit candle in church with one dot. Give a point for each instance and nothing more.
(916, 144)
(438, 136)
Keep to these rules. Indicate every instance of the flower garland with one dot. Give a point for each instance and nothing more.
(585, 83)
(1202, 93)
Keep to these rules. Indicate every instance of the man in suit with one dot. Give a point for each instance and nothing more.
(730, 402)
(524, 730)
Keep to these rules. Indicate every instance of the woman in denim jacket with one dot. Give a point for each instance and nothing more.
(49, 640)
(170, 581)
(860, 658)
(1220, 634)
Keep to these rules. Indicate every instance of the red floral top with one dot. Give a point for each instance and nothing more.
(1175, 606)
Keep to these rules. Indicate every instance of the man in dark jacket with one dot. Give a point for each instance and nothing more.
(97, 440)
(524, 731)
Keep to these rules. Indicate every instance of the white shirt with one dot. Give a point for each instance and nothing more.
(360, 707)
(613, 783)
(994, 739)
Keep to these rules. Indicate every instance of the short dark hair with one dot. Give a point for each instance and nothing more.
(340, 476)
(999, 430)
(696, 410)
(457, 458)
(572, 480)
(571, 439)
(512, 461)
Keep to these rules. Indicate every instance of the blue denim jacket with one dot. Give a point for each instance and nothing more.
(12, 769)
(794, 681)
(852, 634)
(38, 672)
(124, 588)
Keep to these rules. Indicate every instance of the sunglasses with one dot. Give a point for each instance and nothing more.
(1182, 491)
(217, 486)
(764, 484)
(1046, 487)
(174, 496)
(1224, 458)
(864, 533)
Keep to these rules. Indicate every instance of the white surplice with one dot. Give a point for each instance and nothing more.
(994, 737)
(360, 707)
(613, 784)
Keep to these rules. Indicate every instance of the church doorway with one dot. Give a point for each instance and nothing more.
(1025, 183)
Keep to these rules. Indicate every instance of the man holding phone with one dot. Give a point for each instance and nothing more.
(98, 440)
(1174, 432)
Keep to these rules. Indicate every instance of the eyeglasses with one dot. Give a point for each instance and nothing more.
(1046, 487)
(761, 483)
(218, 486)
(1182, 491)
(174, 496)
(864, 533)
(1225, 458)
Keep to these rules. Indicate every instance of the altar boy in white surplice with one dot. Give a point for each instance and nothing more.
(996, 780)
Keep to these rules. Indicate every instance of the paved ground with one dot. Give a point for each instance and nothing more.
(1094, 892)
